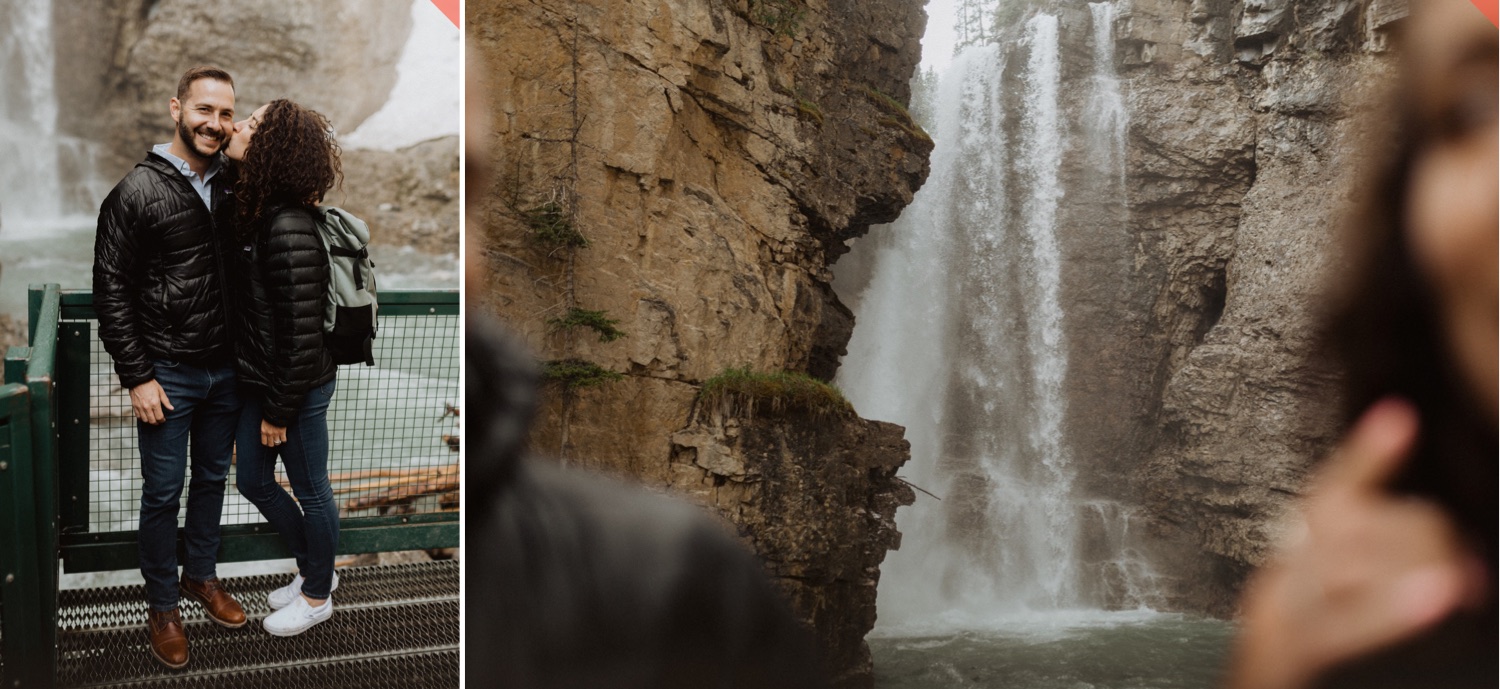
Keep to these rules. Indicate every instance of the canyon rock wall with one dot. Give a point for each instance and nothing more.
(691, 168)
(1245, 142)
(815, 496)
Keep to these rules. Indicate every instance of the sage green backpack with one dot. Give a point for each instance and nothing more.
(349, 317)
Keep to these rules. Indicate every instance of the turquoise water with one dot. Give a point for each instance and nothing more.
(1126, 650)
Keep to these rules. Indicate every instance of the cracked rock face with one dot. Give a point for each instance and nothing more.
(1245, 145)
(715, 156)
(817, 499)
(720, 167)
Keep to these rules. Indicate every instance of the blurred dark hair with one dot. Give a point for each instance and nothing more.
(1386, 332)
(292, 159)
(185, 83)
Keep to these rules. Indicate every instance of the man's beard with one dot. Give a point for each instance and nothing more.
(192, 141)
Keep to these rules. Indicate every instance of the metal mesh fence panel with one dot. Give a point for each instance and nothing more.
(389, 431)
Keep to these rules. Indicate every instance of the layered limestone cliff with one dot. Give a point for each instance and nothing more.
(690, 169)
(815, 496)
(336, 57)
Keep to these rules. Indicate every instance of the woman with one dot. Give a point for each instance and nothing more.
(287, 161)
(1388, 580)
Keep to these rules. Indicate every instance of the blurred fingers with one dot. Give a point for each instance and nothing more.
(1374, 450)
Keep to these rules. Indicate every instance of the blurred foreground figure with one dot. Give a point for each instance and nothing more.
(574, 581)
(1388, 580)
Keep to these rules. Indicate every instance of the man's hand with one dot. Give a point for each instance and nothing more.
(271, 436)
(1364, 568)
(147, 399)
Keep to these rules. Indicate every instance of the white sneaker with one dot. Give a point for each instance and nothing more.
(297, 617)
(284, 596)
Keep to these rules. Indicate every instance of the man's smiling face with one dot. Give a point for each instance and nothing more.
(205, 118)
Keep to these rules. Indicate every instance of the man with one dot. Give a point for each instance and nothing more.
(159, 293)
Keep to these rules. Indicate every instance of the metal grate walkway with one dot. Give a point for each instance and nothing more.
(394, 626)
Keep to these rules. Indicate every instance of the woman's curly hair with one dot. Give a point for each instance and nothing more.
(293, 159)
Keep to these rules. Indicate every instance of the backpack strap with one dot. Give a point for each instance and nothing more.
(360, 254)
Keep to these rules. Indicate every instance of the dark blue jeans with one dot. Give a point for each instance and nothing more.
(309, 524)
(206, 411)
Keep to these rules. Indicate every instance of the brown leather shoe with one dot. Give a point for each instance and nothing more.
(168, 641)
(220, 606)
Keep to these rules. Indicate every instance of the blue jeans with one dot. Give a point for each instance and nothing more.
(309, 524)
(206, 410)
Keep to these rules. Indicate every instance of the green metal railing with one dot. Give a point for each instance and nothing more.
(28, 503)
(20, 591)
(69, 468)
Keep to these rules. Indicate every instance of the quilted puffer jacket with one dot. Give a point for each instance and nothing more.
(159, 272)
(280, 273)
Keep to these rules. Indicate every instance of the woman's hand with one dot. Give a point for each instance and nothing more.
(271, 436)
(1364, 568)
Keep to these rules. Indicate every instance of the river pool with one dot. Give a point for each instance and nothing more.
(1117, 650)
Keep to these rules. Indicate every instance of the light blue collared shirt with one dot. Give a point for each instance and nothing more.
(200, 184)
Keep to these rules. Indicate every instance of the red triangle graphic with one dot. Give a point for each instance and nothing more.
(1490, 9)
(449, 9)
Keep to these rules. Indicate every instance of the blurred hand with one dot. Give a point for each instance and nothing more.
(1364, 569)
(147, 399)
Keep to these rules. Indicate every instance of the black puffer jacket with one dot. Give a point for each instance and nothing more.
(280, 272)
(159, 271)
(580, 582)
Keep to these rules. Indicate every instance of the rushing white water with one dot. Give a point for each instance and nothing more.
(961, 337)
(899, 357)
(1045, 504)
(29, 181)
(47, 183)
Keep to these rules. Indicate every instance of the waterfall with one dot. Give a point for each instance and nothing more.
(961, 338)
(29, 182)
(47, 175)
(1106, 110)
(1044, 504)
(901, 354)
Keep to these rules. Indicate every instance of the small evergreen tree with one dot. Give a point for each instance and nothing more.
(974, 20)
